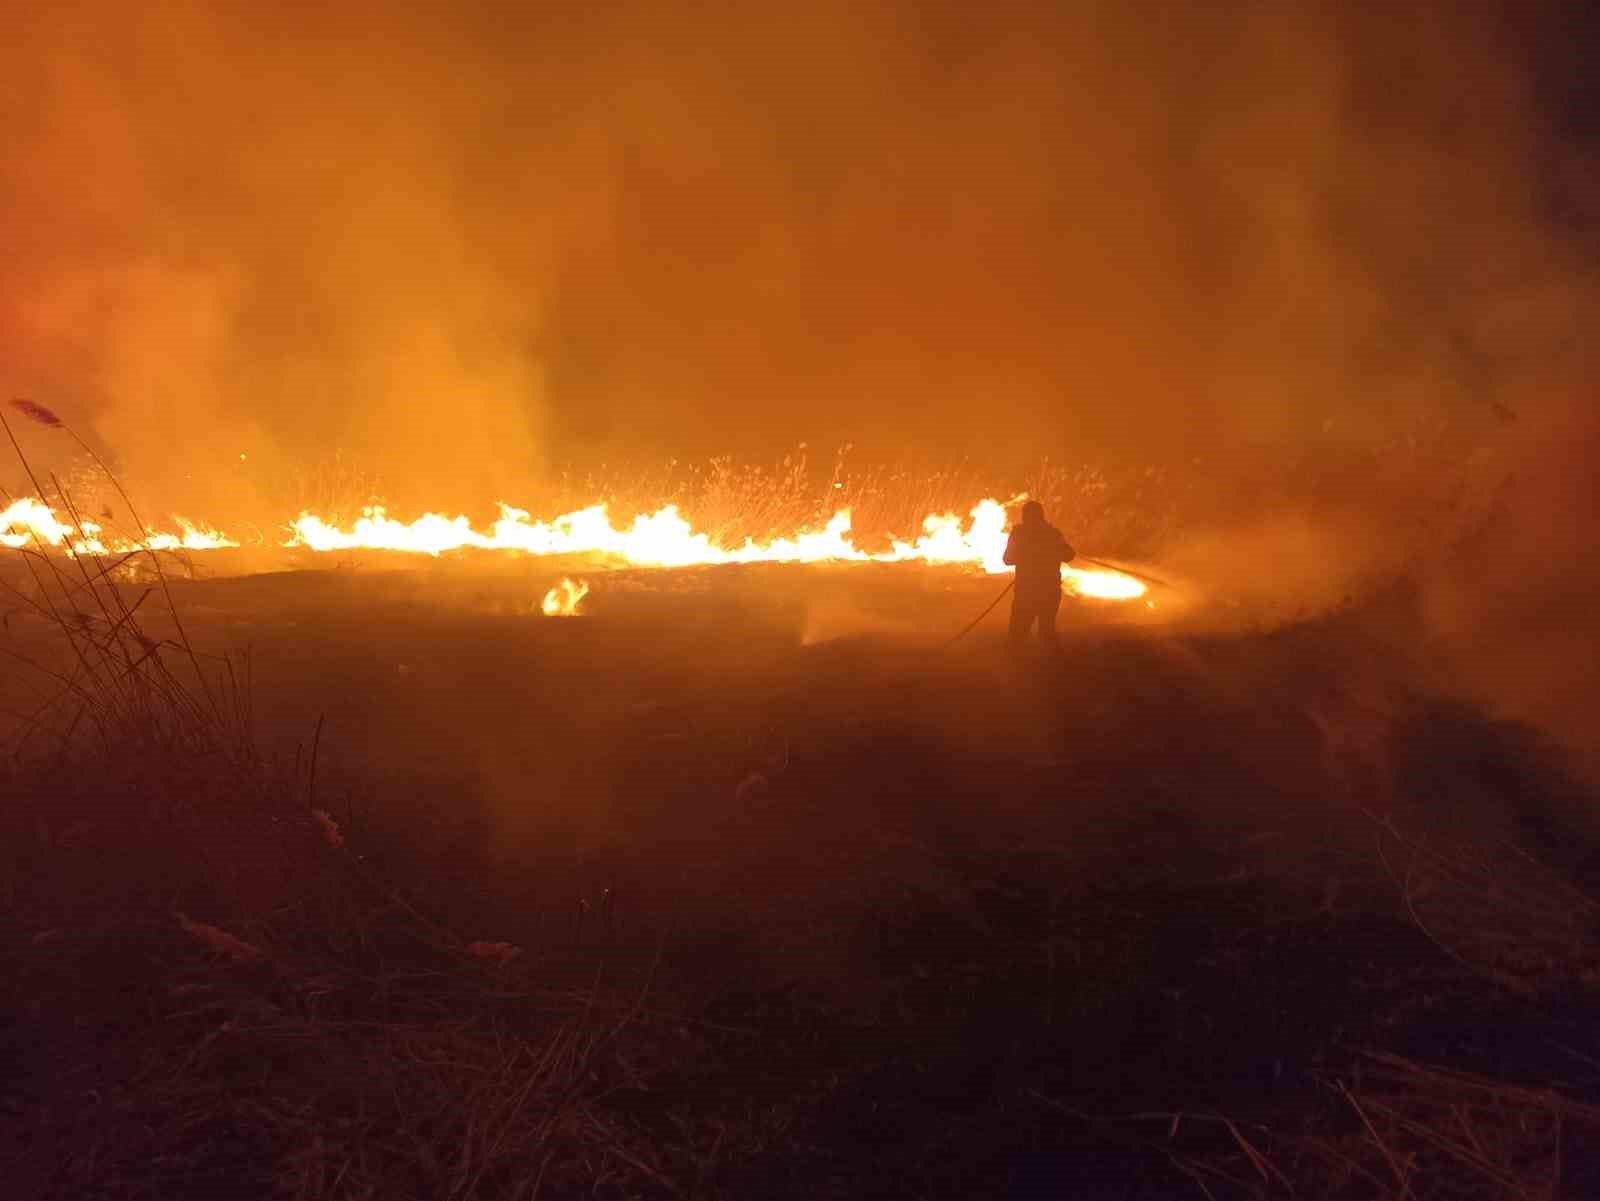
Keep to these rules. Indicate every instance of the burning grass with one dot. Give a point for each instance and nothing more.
(1161, 921)
(662, 537)
(733, 501)
(312, 1033)
(127, 690)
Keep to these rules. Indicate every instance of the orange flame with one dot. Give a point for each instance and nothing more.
(665, 539)
(660, 539)
(29, 522)
(563, 599)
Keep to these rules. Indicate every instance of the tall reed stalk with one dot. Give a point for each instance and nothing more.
(115, 682)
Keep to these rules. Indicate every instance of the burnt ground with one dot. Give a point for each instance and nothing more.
(1197, 908)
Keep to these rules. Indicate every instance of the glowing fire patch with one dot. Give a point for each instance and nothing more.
(564, 598)
(1102, 585)
(191, 537)
(28, 522)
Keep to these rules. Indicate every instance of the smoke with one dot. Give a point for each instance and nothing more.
(239, 234)
(456, 242)
(1331, 259)
(452, 245)
(1512, 614)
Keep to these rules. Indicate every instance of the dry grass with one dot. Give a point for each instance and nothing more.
(1504, 1112)
(1127, 510)
(329, 1040)
(1403, 1130)
(333, 486)
(109, 683)
(1134, 511)
(1399, 1127)
(392, 1060)
(1391, 1128)
(299, 1026)
(1429, 1131)
(1493, 909)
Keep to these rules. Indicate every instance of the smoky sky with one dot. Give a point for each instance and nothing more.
(462, 243)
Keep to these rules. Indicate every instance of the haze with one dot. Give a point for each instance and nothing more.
(466, 244)
(454, 248)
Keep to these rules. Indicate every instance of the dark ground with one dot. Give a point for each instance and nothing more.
(1195, 908)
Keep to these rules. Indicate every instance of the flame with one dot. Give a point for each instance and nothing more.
(1102, 585)
(562, 600)
(191, 537)
(665, 539)
(660, 539)
(29, 521)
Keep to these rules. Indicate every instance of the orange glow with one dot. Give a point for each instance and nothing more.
(665, 539)
(28, 522)
(660, 539)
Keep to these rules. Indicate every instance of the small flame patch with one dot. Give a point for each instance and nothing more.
(564, 598)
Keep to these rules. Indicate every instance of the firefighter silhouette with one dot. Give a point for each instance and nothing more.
(1037, 550)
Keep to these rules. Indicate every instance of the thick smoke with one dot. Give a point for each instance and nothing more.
(459, 242)
(445, 247)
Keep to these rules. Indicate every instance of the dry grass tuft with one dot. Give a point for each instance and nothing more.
(1136, 512)
(116, 679)
(310, 1032)
(1493, 909)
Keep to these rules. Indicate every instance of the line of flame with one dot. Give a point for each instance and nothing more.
(660, 539)
(665, 539)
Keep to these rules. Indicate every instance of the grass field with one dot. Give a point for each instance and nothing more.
(745, 886)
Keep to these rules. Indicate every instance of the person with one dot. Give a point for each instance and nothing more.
(1037, 550)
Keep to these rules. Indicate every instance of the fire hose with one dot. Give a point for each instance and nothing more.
(1148, 579)
(1006, 591)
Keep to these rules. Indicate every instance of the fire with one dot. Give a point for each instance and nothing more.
(29, 521)
(1102, 585)
(665, 539)
(660, 539)
(563, 599)
(191, 537)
